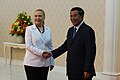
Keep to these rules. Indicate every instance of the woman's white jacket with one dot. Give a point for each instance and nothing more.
(36, 44)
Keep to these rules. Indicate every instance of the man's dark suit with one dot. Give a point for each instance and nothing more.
(80, 52)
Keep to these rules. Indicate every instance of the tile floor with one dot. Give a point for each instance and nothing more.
(16, 72)
(11, 72)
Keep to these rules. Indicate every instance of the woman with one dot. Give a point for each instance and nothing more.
(38, 39)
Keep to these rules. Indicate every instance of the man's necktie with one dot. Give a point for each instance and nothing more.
(74, 32)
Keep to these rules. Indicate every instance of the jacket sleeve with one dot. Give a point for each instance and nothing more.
(51, 61)
(60, 50)
(29, 44)
(90, 48)
(51, 48)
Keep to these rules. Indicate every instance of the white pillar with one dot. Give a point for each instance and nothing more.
(110, 40)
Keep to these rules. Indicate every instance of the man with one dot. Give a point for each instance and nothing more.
(80, 47)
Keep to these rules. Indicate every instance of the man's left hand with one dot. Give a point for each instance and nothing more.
(86, 75)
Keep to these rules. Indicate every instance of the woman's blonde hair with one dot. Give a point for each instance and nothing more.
(42, 11)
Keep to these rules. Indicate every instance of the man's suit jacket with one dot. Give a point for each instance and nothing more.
(81, 52)
(36, 43)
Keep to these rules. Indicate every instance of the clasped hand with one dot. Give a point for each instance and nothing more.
(46, 54)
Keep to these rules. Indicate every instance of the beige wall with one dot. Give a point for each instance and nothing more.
(57, 17)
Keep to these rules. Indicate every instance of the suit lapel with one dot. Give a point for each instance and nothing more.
(37, 33)
(70, 36)
(79, 32)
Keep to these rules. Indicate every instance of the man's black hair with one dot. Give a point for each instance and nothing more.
(80, 10)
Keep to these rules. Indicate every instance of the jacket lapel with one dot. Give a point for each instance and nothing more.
(37, 33)
(78, 34)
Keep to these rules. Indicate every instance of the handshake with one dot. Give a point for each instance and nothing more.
(46, 54)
